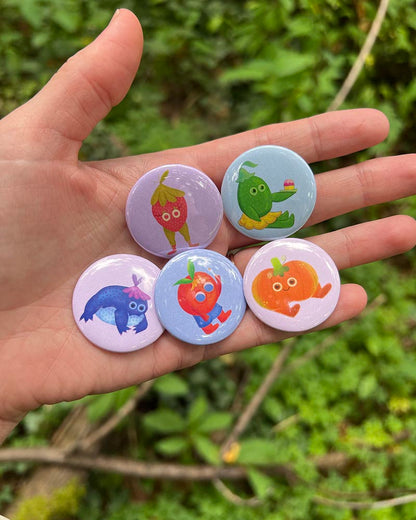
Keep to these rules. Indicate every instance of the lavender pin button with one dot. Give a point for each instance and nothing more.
(291, 285)
(113, 303)
(173, 208)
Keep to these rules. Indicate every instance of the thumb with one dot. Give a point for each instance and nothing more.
(85, 88)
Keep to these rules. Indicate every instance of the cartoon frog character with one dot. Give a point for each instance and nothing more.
(255, 199)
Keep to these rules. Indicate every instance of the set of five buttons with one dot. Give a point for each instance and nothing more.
(123, 302)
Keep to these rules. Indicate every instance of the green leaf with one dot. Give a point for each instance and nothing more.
(214, 421)
(207, 449)
(258, 451)
(182, 281)
(171, 446)
(191, 269)
(171, 384)
(262, 484)
(164, 421)
(197, 409)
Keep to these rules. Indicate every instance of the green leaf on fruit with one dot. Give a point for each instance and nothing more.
(278, 268)
(182, 281)
(191, 269)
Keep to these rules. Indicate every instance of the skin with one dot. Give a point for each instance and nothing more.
(62, 215)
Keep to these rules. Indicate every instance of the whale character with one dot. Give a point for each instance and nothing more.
(124, 307)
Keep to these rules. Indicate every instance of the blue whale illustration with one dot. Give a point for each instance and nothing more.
(124, 307)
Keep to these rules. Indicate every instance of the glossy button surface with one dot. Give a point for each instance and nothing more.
(199, 297)
(113, 303)
(173, 208)
(268, 192)
(291, 284)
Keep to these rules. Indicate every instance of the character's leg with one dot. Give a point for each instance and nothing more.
(170, 235)
(320, 292)
(184, 231)
(224, 316)
(284, 221)
(209, 329)
(91, 308)
(121, 317)
(142, 325)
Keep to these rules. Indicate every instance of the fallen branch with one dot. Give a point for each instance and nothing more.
(155, 470)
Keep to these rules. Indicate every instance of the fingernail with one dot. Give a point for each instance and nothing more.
(115, 15)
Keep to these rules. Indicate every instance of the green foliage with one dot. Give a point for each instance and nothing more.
(211, 69)
(62, 505)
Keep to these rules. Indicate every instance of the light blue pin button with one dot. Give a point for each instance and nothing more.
(268, 192)
(199, 297)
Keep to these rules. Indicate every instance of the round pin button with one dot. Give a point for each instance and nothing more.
(268, 192)
(291, 284)
(113, 303)
(173, 208)
(199, 297)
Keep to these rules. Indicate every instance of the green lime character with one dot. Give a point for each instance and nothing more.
(255, 199)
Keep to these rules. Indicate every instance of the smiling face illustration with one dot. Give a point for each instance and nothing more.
(284, 283)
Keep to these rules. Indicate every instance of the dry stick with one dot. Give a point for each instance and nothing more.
(362, 56)
(245, 418)
(380, 504)
(259, 396)
(115, 419)
(155, 470)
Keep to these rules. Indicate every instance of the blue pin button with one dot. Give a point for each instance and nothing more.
(268, 192)
(199, 297)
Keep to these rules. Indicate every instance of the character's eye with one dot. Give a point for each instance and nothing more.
(253, 191)
(262, 187)
(133, 305)
(200, 296)
(277, 286)
(141, 307)
(176, 213)
(166, 216)
(291, 282)
(209, 287)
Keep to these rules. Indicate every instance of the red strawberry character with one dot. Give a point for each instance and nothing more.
(198, 295)
(170, 210)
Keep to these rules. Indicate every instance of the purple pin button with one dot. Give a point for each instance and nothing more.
(291, 285)
(113, 303)
(174, 208)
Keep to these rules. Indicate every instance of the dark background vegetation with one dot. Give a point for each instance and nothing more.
(211, 68)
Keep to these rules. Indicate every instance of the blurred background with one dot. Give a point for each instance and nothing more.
(331, 433)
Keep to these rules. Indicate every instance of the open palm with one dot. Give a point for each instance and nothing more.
(59, 215)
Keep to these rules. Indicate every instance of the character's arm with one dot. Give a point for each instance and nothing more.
(280, 196)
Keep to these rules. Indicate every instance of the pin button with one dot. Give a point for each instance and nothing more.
(174, 208)
(113, 303)
(268, 192)
(199, 297)
(291, 285)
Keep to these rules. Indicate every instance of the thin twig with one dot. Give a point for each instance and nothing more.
(233, 498)
(381, 504)
(109, 425)
(259, 396)
(362, 56)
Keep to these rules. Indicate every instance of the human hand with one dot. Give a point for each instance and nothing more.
(60, 215)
